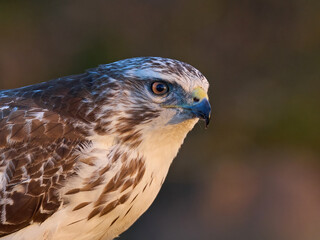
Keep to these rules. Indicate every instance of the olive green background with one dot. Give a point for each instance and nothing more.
(255, 173)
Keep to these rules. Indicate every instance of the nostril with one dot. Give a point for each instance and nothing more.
(195, 99)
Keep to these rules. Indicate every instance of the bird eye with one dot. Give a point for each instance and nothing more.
(159, 88)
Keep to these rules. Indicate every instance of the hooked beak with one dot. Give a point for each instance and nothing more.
(202, 110)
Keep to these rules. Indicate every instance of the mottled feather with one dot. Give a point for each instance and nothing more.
(89, 151)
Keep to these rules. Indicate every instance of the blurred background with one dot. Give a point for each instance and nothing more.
(255, 173)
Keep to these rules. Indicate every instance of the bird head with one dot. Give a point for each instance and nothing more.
(159, 92)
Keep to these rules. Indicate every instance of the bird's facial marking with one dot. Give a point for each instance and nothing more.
(172, 100)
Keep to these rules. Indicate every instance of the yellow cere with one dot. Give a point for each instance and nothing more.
(199, 93)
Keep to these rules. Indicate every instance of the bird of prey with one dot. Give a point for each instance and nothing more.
(83, 156)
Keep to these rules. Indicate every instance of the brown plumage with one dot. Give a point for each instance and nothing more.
(80, 152)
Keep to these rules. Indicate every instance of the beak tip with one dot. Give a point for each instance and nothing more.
(207, 120)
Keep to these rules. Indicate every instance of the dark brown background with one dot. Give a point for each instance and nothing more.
(255, 173)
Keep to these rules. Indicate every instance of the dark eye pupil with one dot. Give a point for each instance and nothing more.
(161, 87)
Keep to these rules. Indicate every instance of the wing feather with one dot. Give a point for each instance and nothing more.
(38, 151)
